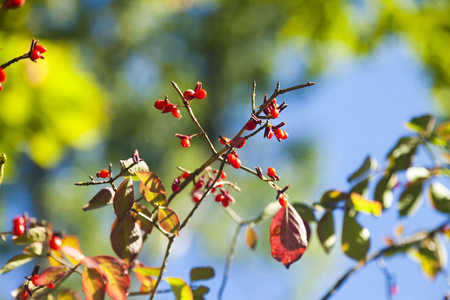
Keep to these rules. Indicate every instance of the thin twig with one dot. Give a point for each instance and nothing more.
(163, 266)
(415, 239)
(167, 234)
(229, 260)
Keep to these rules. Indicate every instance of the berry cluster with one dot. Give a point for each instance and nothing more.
(165, 106)
(36, 53)
(234, 160)
(197, 93)
(12, 4)
(19, 226)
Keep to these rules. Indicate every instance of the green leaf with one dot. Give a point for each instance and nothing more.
(332, 196)
(432, 257)
(325, 231)
(126, 238)
(148, 271)
(410, 199)
(355, 242)
(383, 190)
(35, 249)
(269, 211)
(251, 238)
(199, 292)
(35, 234)
(400, 157)
(417, 173)
(123, 198)
(147, 282)
(168, 220)
(440, 197)
(368, 164)
(116, 274)
(15, 261)
(152, 189)
(67, 294)
(360, 187)
(423, 124)
(51, 274)
(201, 273)
(102, 198)
(181, 290)
(361, 204)
(93, 284)
(305, 212)
(140, 167)
(441, 136)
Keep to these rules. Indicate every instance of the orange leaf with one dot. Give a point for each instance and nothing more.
(169, 220)
(116, 274)
(93, 284)
(151, 188)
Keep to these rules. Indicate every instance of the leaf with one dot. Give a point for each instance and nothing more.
(251, 238)
(34, 249)
(325, 231)
(168, 220)
(68, 240)
(288, 236)
(79, 257)
(123, 198)
(116, 274)
(143, 223)
(423, 124)
(67, 294)
(305, 211)
(332, 196)
(368, 164)
(400, 157)
(152, 189)
(102, 198)
(361, 204)
(143, 274)
(148, 271)
(35, 234)
(140, 167)
(126, 238)
(51, 274)
(432, 257)
(383, 190)
(93, 284)
(440, 197)
(15, 261)
(360, 187)
(199, 292)
(181, 290)
(269, 211)
(410, 199)
(201, 273)
(355, 240)
(441, 136)
(417, 173)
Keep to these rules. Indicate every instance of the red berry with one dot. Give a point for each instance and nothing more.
(200, 94)
(189, 94)
(227, 140)
(168, 107)
(24, 294)
(275, 113)
(56, 242)
(175, 187)
(14, 3)
(103, 173)
(198, 185)
(283, 200)
(185, 143)
(285, 135)
(231, 157)
(40, 48)
(223, 175)
(159, 104)
(18, 229)
(278, 133)
(196, 198)
(1, 87)
(225, 201)
(270, 135)
(19, 220)
(185, 175)
(236, 163)
(271, 171)
(176, 112)
(219, 198)
(35, 55)
(34, 279)
(51, 285)
(251, 125)
(2, 75)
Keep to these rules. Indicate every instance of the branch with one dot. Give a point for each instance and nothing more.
(24, 56)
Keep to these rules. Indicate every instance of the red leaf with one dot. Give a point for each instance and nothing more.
(116, 274)
(51, 274)
(93, 284)
(288, 236)
(126, 238)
